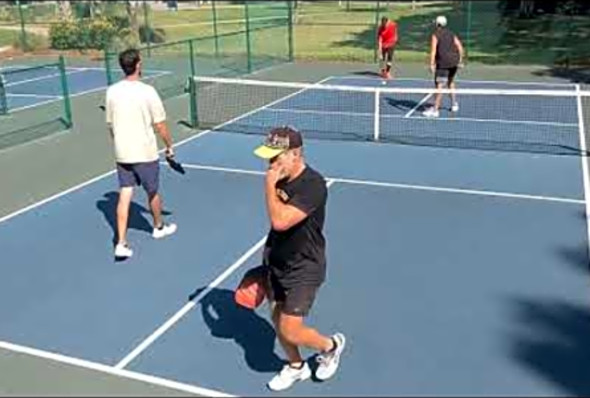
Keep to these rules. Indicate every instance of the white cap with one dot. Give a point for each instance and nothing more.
(441, 20)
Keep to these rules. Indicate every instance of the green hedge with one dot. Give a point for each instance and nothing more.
(82, 34)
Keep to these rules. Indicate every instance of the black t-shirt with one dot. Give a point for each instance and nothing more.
(297, 255)
(447, 54)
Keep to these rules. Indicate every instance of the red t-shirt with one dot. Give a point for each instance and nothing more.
(388, 34)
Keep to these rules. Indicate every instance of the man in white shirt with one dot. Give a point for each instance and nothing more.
(133, 110)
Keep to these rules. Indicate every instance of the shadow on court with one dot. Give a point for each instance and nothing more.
(254, 334)
(140, 217)
(553, 342)
(406, 105)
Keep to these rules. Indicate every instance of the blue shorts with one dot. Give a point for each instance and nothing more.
(145, 174)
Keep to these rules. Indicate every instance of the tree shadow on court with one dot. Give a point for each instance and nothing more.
(552, 341)
(576, 255)
(254, 334)
(139, 216)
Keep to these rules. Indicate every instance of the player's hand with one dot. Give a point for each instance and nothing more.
(169, 152)
(274, 174)
(461, 65)
(432, 68)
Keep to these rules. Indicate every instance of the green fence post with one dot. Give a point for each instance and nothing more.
(191, 51)
(193, 103)
(468, 26)
(147, 27)
(248, 44)
(65, 91)
(214, 10)
(22, 26)
(375, 39)
(107, 66)
(290, 11)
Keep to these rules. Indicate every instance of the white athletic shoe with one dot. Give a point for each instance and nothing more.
(164, 230)
(288, 376)
(430, 112)
(329, 361)
(122, 250)
(455, 107)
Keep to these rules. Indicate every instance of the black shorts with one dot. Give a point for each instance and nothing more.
(387, 53)
(295, 300)
(445, 75)
(145, 174)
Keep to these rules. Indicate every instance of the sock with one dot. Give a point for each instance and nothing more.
(298, 367)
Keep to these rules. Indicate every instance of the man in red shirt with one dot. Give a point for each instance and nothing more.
(386, 39)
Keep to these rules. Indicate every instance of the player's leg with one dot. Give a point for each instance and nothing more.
(296, 369)
(440, 78)
(383, 62)
(127, 180)
(388, 61)
(150, 180)
(451, 85)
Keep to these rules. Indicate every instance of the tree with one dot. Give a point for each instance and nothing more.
(65, 9)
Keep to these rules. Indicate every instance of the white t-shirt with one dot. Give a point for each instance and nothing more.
(132, 108)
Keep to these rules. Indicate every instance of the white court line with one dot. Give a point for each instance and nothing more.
(124, 374)
(104, 175)
(459, 81)
(585, 177)
(426, 98)
(467, 119)
(93, 90)
(188, 306)
(191, 304)
(403, 186)
(42, 78)
(33, 95)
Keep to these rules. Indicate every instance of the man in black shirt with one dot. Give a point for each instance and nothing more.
(446, 55)
(294, 252)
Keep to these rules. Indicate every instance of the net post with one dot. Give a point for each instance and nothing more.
(377, 115)
(65, 91)
(194, 122)
(215, 34)
(248, 44)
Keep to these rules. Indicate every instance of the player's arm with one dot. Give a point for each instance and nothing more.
(282, 215)
(286, 215)
(459, 46)
(433, 44)
(379, 39)
(158, 114)
(109, 116)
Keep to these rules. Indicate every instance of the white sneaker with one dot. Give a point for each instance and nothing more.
(122, 250)
(455, 107)
(329, 361)
(430, 112)
(288, 376)
(164, 230)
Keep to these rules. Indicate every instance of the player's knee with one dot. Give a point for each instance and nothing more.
(290, 329)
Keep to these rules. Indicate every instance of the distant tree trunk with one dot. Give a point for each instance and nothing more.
(65, 9)
(526, 8)
(132, 8)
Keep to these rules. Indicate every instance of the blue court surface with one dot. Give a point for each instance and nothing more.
(450, 271)
(34, 87)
